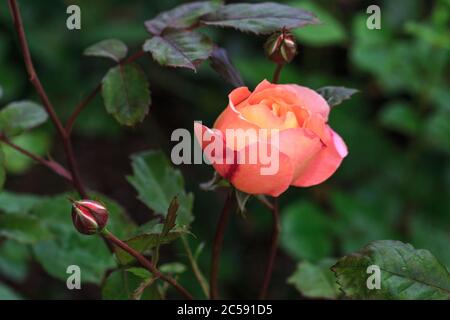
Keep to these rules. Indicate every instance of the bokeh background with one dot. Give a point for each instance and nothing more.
(394, 184)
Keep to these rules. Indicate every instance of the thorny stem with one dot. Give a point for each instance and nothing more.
(197, 272)
(145, 263)
(51, 164)
(217, 245)
(30, 67)
(34, 79)
(273, 249)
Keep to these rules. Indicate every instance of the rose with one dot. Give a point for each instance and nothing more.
(89, 216)
(309, 150)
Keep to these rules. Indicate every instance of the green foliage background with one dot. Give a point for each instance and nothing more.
(394, 184)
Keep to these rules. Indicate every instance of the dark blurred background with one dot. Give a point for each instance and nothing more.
(394, 184)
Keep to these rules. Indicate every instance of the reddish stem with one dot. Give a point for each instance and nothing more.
(276, 74)
(273, 250)
(80, 107)
(76, 181)
(133, 57)
(146, 263)
(51, 164)
(34, 79)
(217, 245)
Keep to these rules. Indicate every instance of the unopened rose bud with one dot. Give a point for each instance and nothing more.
(88, 216)
(281, 47)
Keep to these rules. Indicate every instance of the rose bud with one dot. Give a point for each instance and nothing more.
(88, 216)
(307, 150)
(281, 47)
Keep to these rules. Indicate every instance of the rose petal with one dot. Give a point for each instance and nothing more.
(247, 176)
(324, 163)
(232, 120)
(316, 123)
(203, 134)
(238, 95)
(231, 117)
(263, 85)
(262, 116)
(301, 145)
(310, 99)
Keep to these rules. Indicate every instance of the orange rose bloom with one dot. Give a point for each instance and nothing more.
(309, 150)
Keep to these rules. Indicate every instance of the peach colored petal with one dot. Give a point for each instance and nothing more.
(238, 95)
(277, 94)
(231, 117)
(263, 85)
(201, 132)
(247, 177)
(301, 114)
(324, 163)
(301, 145)
(316, 123)
(310, 99)
(263, 117)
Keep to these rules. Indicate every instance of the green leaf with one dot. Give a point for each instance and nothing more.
(157, 183)
(23, 228)
(315, 280)
(181, 17)
(329, 32)
(172, 268)
(406, 273)
(122, 284)
(437, 130)
(140, 272)
(68, 247)
(37, 142)
(14, 260)
(335, 95)
(401, 117)
(175, 48)
(259, 18)
(7, 293)
(110, 48)
(305, 231)
(145, 241)
(2, 169)
(126, 94)
(428, 33)
(222, 65)
(17, 117)
(11, 202)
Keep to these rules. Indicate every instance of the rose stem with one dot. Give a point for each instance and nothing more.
(34, 79)
(145, 263)
(197, 272)
(51, 164)
(91, 96)
(80, 107)
(217, 245)
(273, 249)
(276, 74)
